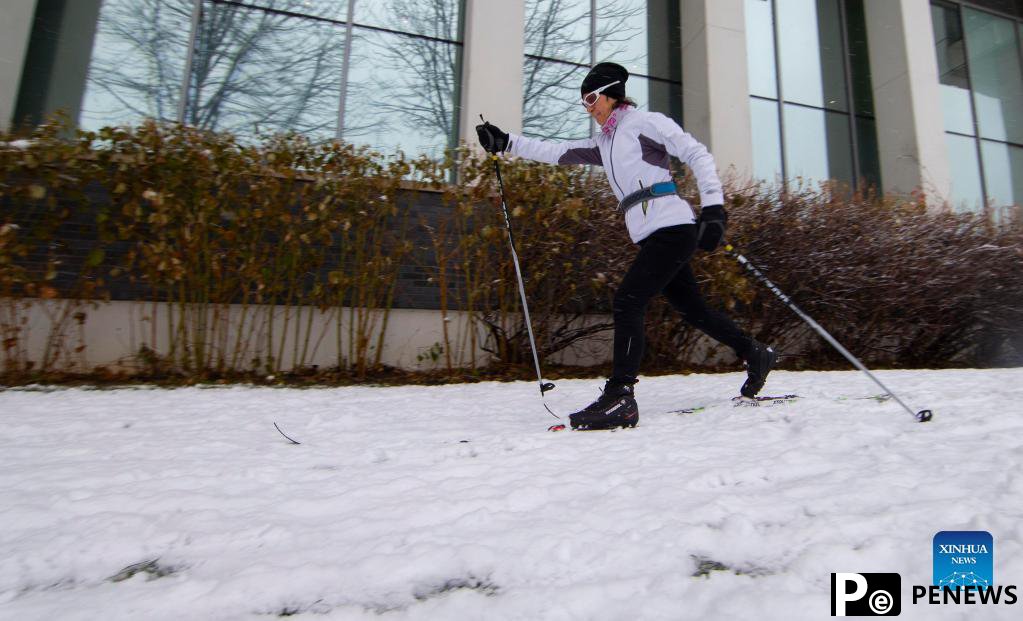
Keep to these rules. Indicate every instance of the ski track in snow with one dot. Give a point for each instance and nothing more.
(454, 502)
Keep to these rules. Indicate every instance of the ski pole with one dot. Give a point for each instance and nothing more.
(922, 416)
(544, 386)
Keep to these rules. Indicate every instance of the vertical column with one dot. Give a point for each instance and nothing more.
(492, 65)
(57, 61)
(907, 98)
(715, 86)
(15, 29)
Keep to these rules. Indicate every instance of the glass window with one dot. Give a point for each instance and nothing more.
(551, 107)
(967, 193)
(1003, 172)
(952, 74)
(138, 61)
(257, 72)
(643, 36)
(806, 146)
(621, 34)
(418, 78)
(817, 145)
(955, 103)
(814, 142)
(655, 95)
(980, 71)
(638, 88)
(432, 18)
(798, 52)
(663, 39)
(1011, 7)
(558, 29)
(665, 97)
(760, 49)
(840, 151)
(866, 139)
(812, 67)
(832, 78)
(859, 58)
(329, 9)
(562, 43)
(995, 72)
(261, 67)
(766, 139)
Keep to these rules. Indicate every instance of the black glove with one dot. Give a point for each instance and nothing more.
(712, 227)
(492, 138)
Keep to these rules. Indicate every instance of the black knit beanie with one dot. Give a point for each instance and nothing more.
(603, 74)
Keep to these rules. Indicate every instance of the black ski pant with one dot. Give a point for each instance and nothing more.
(662, 266)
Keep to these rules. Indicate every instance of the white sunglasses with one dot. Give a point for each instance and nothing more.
(591, 98)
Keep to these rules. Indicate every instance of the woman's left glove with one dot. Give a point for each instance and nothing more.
(492, 139)
(712, 227)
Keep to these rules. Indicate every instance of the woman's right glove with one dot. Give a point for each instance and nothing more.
(492, 139)
(712, 227)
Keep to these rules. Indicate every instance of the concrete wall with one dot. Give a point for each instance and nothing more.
(907, 99)
(492, 65)
(111, 335)
(15, 29)
(715, 85)
(79, 337)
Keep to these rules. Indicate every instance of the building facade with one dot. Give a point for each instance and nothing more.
(905, 95)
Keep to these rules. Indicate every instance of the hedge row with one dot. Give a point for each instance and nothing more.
(205, 223)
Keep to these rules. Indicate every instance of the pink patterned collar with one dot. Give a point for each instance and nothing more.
(612, 120)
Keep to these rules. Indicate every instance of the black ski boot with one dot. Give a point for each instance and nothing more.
(759, 363)
(615, 408)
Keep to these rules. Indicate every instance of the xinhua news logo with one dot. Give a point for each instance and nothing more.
(866, 595)
(964, 572)
(964, 558)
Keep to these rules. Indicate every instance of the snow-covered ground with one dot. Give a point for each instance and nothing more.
(454, 502)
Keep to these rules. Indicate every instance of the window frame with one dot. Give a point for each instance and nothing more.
(349, 24)
(593, 60)
(978, 140)
(852, 114)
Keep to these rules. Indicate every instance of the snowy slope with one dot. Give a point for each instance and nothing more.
(453, 502)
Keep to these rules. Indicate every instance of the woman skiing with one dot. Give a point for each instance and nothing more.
(634, 147)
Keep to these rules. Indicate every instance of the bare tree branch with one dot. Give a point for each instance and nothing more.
(251, 70)
(560, 29)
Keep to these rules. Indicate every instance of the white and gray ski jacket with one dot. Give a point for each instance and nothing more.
(635, 155)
